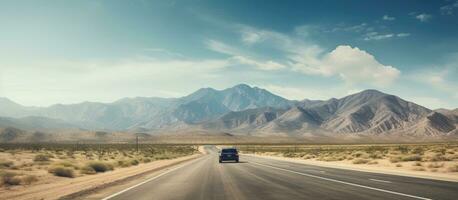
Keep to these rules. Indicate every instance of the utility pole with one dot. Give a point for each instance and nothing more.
(136, 143)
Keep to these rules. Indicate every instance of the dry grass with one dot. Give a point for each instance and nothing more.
(26, 164)
(439, 158)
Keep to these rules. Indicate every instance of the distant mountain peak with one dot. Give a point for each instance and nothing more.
(242, 86)
(6, 100)
(372, 92)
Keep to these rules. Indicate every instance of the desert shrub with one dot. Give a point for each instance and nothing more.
(411, 158)
(417, 150)
(308, 157)
(419, 169)
(9, 178)
(100, 166)
(376, 155)
(134, 162)
(399, 165)
(374, 162)
(451, 157)
(395, 159)
(437, 157)
(402, 149)
(6, 164)
(435, 165)
(331, 158)
(360, 154)
(146, 160)
(453, 168)
(123, 163)
(41, 158)
(62, 171)
(87, 170)
(360, 161)
(417, 164)
(29, 179)
(289, 155)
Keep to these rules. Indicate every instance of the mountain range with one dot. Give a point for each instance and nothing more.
(241, 110)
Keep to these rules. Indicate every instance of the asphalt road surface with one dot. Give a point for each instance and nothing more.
(259, 178)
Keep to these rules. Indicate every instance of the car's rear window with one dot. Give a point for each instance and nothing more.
(229, 150)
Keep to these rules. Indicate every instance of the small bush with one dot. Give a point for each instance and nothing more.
(360, 154)
(41, 158)
(9, 178)
(360, 161)
(62, 171)
(418, 164)
(395, 159)
(134, 162)
(437, 157)
(419, 169)
(87, 170)
(100, 166)
(399, 165)
(6, 164)
(29, 179)
(123, 163)
(374, 162)
(411, 158)
(453, 168)
(435, 165)
(417, 150)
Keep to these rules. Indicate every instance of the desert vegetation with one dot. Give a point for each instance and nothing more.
(25, 164)
(432, 157)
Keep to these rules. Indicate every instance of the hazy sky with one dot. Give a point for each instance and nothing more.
(72, 51)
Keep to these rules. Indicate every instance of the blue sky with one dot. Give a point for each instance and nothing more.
(73, 51)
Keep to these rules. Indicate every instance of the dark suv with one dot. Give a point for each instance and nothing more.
(229, 154)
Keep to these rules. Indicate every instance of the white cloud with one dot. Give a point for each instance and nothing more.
(388, 18)
(424, 17)
(237, 57)
(221, 47)
(250, 37)
(268, 65)
(403, 34)
(376, 36)
(449, 9)
(353, 66)
(352, 28)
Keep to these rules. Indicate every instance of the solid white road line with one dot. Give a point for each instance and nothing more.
(343, 182)
(378, 180)
(162, 174)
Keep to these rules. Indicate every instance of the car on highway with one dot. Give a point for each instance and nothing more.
(228, 154)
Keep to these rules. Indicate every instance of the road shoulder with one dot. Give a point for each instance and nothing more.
(362, 168)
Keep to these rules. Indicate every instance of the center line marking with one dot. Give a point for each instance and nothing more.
(378, 180)
(343, 182)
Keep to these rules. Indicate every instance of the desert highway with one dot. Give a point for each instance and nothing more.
(260, 178)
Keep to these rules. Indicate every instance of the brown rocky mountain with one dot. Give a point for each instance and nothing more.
(366, 113)
(241, 110)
